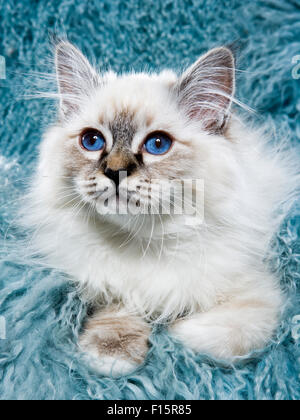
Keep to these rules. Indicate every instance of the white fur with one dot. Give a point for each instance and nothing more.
(107, 365)
(214, 272)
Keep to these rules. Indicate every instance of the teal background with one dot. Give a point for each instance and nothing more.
(38, 359)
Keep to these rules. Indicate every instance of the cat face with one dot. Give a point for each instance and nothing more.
(126, 139)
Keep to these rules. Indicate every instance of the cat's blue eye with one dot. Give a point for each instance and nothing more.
(158, 144)
(92, 141)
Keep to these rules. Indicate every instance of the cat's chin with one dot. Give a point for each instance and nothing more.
(138, 225)
(147, 228)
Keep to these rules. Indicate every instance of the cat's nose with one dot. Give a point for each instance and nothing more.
(116, 176)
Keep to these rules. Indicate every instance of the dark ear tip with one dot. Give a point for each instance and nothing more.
(235, 47)
(59, 49)
(62, 47)
(59, 46)
(225, 52)
(222, 55)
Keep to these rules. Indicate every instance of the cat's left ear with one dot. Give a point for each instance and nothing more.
(205, 91)
(76, 78)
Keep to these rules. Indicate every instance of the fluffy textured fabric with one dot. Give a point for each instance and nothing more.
(43, 314)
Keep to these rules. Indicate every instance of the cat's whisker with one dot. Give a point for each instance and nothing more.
(150, 236)
(133, 234)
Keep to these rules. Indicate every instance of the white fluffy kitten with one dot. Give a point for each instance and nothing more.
(208, 281)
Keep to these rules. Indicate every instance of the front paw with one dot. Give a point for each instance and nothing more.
(211, 340)
(230, 332)
(114, 342)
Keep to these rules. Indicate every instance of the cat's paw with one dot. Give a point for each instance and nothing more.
(231, 332)
(115, 343)
(210, 340)
(111, 366)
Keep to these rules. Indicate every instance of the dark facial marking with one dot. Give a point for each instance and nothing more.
(123, 129)
(121, 157)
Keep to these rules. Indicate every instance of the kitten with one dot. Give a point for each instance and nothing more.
(207, 280)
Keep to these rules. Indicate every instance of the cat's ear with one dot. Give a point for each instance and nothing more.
(205, 91)
(76, 78)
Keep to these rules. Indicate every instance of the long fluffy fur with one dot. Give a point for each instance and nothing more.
(156, 266)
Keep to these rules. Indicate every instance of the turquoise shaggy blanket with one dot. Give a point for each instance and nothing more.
(40, 312)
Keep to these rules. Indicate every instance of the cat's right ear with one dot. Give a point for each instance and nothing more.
(76, 78)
